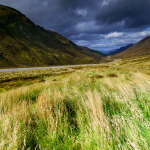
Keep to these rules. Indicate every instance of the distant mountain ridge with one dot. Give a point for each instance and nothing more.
(24, 44)
(93, 51)
(140, 48)
(121, 49)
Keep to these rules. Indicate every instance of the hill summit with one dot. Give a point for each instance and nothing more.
(24, 44)
(140, 48)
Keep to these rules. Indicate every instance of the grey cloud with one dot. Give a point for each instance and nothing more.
(134, 13)
(64, 16)
(58, 15)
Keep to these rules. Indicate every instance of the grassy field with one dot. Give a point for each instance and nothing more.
(101, 107)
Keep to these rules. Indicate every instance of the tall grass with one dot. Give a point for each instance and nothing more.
(79, 113)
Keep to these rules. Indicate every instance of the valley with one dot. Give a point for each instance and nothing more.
(56, 95)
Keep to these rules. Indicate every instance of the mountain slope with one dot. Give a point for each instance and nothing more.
(93, 51)
(24, 44)
(121, 49)
(140, 48)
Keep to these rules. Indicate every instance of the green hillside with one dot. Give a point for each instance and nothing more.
(24, 44)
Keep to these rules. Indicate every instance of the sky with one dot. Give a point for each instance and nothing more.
(98, 24)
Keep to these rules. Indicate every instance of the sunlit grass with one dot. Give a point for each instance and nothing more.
(78, 111)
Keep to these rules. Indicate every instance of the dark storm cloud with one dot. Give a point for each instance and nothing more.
(64, 16)
(134, 13)
(86, 21)
(71, 16)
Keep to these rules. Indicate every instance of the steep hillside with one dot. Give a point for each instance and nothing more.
(121, 49)
(24, 44)
(139, 49)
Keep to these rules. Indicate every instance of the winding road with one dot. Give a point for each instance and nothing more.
(36, 68)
